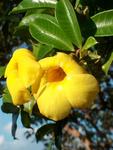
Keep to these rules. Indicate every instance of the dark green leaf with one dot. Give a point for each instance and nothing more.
(33, 4)
(40, 50)
(25, 119)
(48, 128)
(2, 70)
(58, 134)
(36, 112)
(46, 30)
(68, 21)
(14, 124)
(9, 108)
(107, 65)
(104, 23)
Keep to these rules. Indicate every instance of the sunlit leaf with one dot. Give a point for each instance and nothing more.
(46, 30)
(28, 19)
(68, 21)
(108, 63)
(33, 4)
(91, 41)
(104, 23)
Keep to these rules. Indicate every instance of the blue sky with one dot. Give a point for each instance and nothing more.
(6, 140)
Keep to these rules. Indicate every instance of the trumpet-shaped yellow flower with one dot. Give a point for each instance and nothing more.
(64, 85)
(21, 72)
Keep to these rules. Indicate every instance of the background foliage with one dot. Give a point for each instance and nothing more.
(93, 22)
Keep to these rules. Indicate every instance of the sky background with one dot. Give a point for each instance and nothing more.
(6, 139)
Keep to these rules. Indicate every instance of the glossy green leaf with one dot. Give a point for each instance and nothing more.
(46, 30)
(28, 19)
(104, 23)
(91, 41)
(33, 4)
(41, 50)
(68, 21)
(48, 128)
(108, 63)
(2, 70)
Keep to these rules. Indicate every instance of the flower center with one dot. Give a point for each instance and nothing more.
(55, 74)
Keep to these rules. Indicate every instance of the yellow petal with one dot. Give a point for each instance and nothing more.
(19, 93)
(64, 61)
(17, 55)
(52, 102)
(23, 52)
(81, 90)
(28, 69)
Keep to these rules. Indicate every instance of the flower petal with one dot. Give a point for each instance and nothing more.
(28, 69)
(81, 90)
(18, 54)
(19, 93)
(64, 61)
(52, 102)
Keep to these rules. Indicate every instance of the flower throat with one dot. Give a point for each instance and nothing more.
(55, 74)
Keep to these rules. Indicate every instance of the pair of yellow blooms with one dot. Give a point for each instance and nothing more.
(58, 83)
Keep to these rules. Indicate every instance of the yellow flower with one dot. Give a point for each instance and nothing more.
(64, 85)
(21, 72)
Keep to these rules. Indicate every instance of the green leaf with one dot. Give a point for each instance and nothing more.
(2, 70)
(40, 50)
(6, 97)
(104, 23)
(68, 21)
(46, 30)
(58, 134)
(33, 4)
(36, 112)
(48, 128)
(107, 65)
(28, 19)
(9, 108)
(25, 119)
(91, 41)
